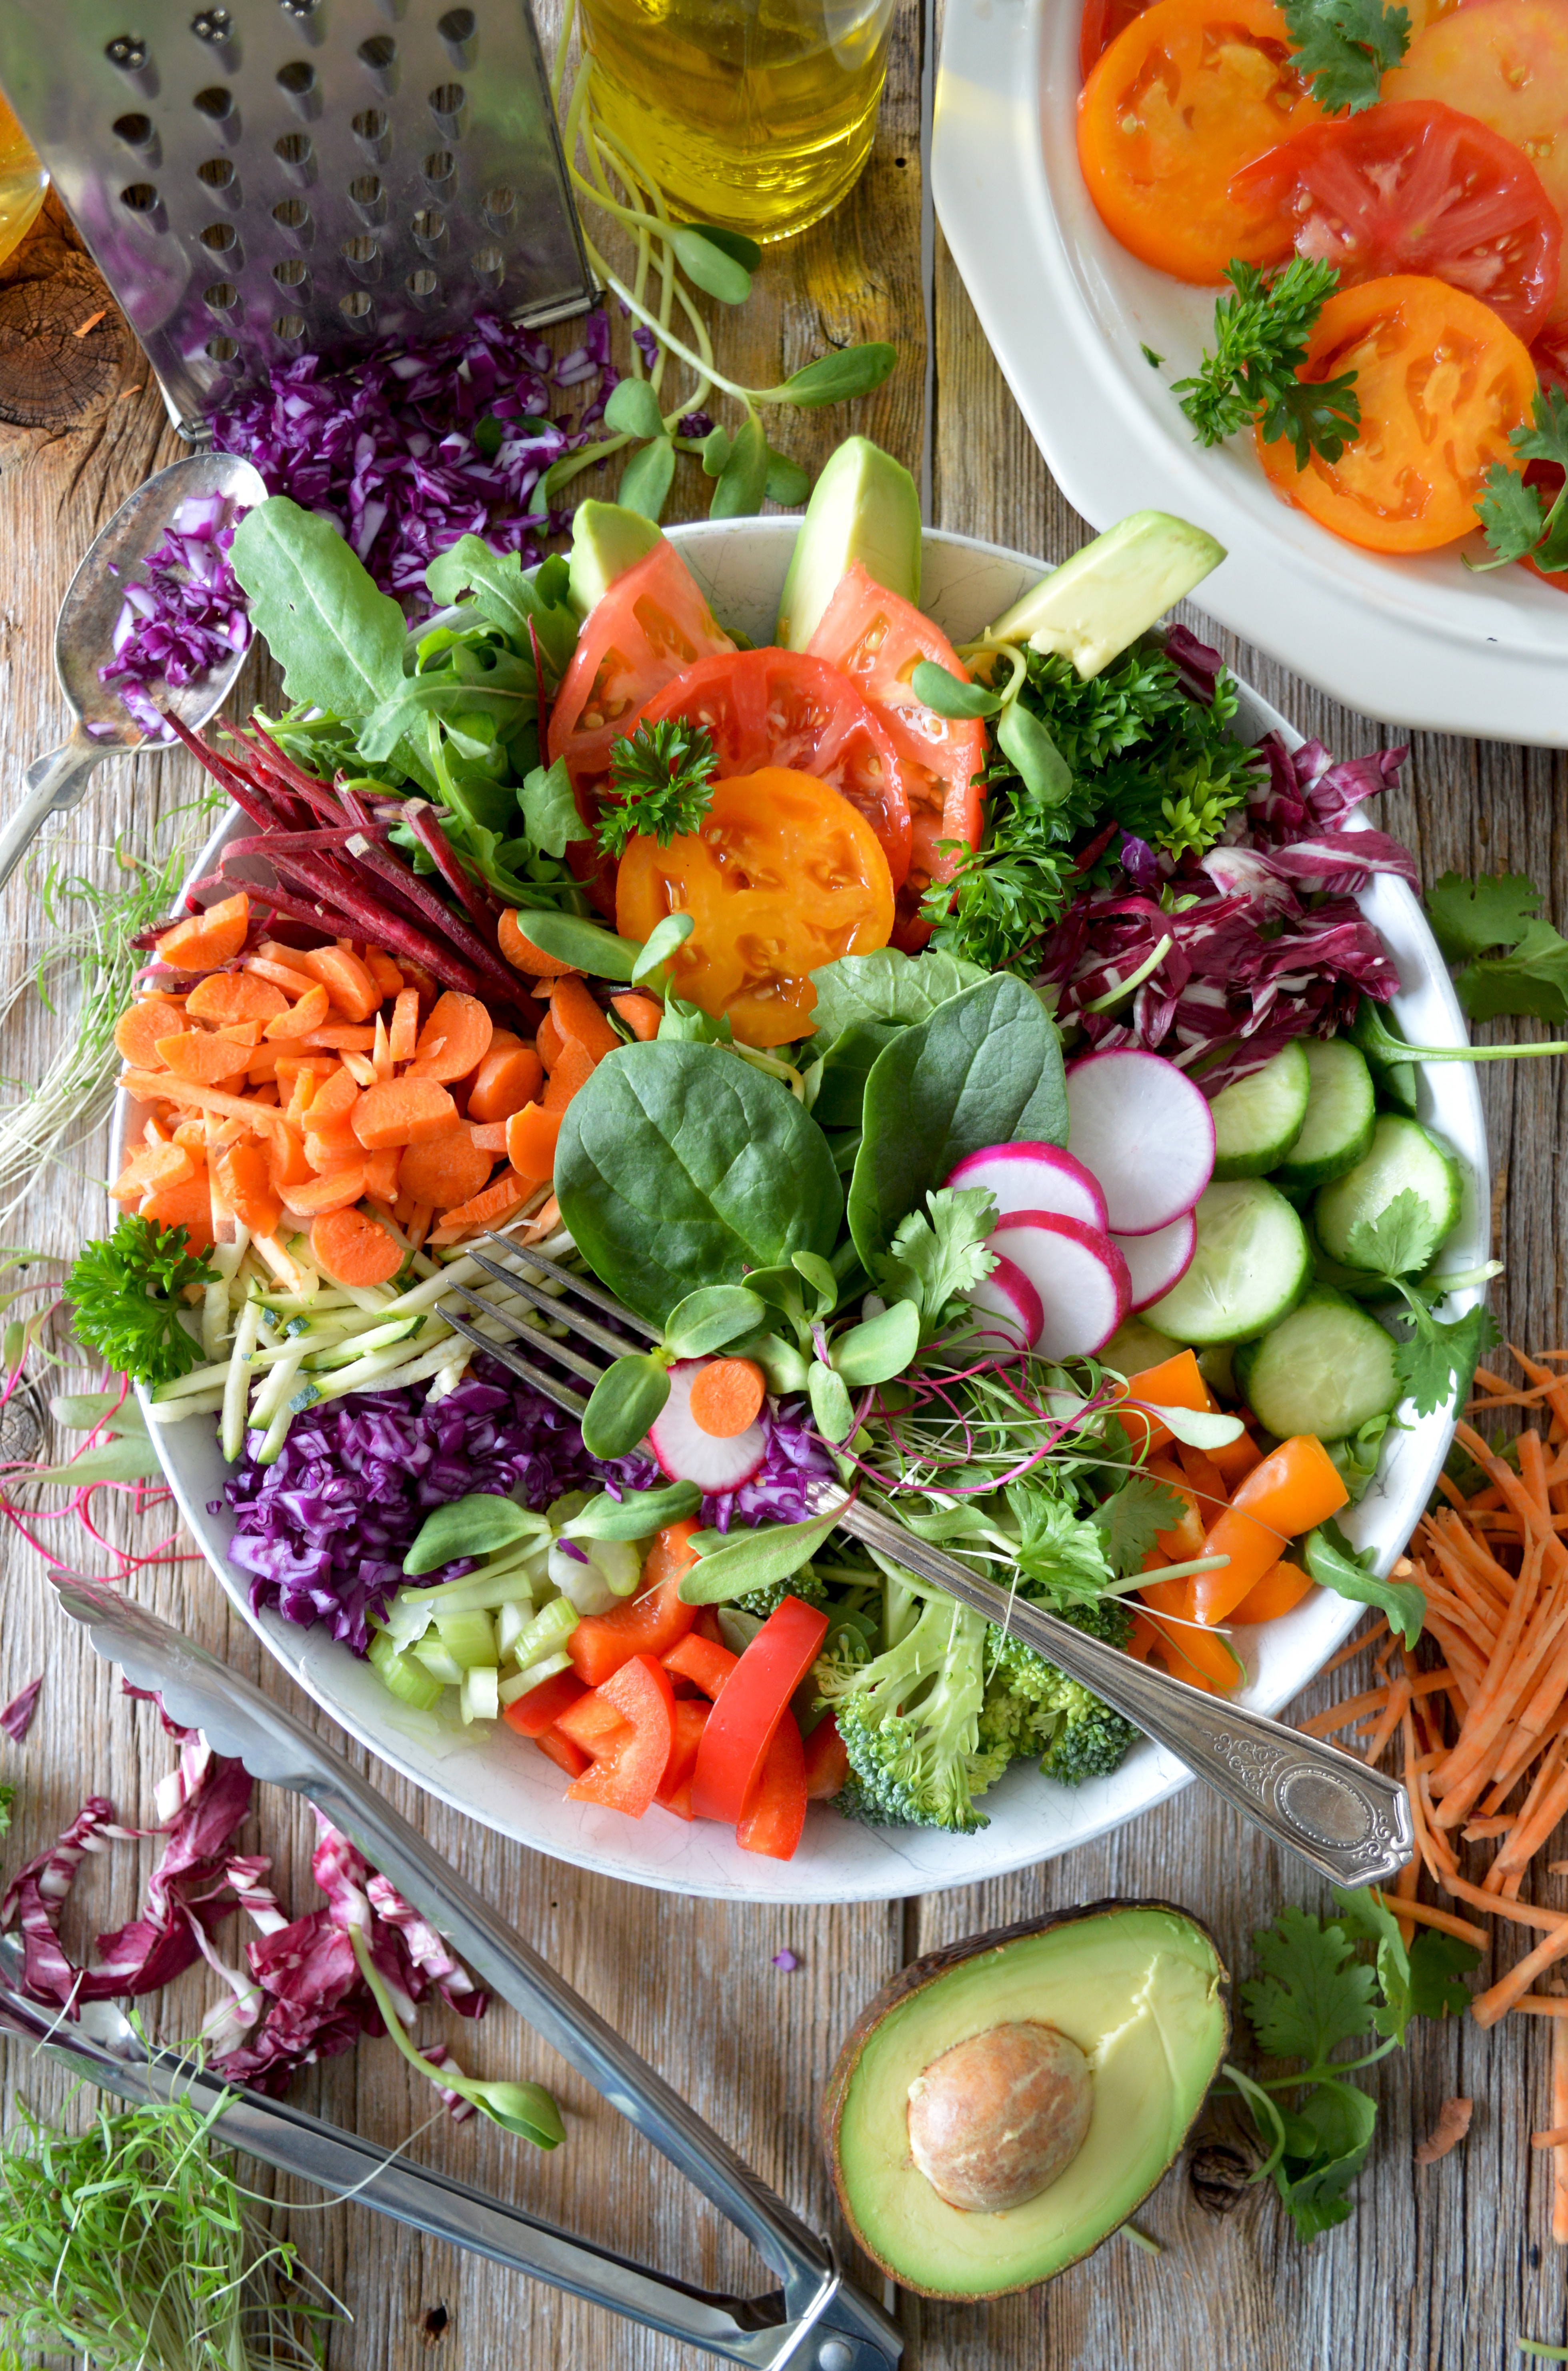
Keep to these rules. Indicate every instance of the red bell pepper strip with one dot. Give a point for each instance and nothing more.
(751, 1706)
(628, 1774)
(562, 1753)
(827, 1764)
(775, 1814)
(542, 1706)
(674, 1790)
(706, 1665)
(594, 1723)
(647, 1622)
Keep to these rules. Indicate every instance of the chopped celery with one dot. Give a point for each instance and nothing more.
(406, 1678)
(548, 1630)
(511, 1620)
(481, 1696)
(521, 1683)
(438, 1661)
(468, 1637)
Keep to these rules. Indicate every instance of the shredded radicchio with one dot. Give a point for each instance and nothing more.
(183, 613)
(323, 1531)
(301, 1997)
(780, 1490)
(16, 1719)
(406, 451)
(1246, 963)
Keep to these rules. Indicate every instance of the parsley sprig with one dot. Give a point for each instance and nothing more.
(1435, 1362)
(1260, 340)
(1515, 518)
(1344, 48)
(1316, 1991)
(659, 784)
(127, 1296)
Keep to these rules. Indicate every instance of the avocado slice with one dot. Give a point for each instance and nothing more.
(863, 506)
(1111, 591)
(1139, 1986)
(606, 542)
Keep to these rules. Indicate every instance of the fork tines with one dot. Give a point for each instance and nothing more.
(541, 1304)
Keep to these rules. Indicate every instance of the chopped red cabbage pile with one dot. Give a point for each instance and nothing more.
(405, 451)
(183, 613)
(303, 1997)
(1246, 963)
(324, 1531)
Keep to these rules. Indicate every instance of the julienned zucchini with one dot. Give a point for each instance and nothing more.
(1252, 1266)
(1402, 1157)
(1257, 1120)
(1328, 1369)
(1342, 1112)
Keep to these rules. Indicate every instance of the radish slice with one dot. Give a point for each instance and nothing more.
(1035, 1177)
(1147, 1134)
(1008, 1298)
(688, 1453)
(1157, 1262)
(1081, 1277)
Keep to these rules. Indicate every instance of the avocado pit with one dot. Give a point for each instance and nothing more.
(994, 2121)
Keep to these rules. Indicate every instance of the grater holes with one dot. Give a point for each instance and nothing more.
(139, 198)
(362, 256)
(372, 129)
(292, 216)
(457, 28)
(357, 309)
(438, 169)
(298, 82)
(489, 266)
(222, 237)
(221, 297)
(296, 155)
(215, 102)
(222, 350)
(214, 25)
(379, 56)
(499, 204)
(300, 10)
(217, 172)
(289, 328)
(368, 195)
(136, 131)
(423, 286)
(429, 228)
(449, 104)
(291, 273)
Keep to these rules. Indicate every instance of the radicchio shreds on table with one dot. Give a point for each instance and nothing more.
(324, 1530)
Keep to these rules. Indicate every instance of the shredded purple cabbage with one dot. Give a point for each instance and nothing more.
(323, 1531)
(183, 614)
(780, 1490)
(386, 447)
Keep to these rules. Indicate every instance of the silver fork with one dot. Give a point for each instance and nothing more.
(1350, 1823)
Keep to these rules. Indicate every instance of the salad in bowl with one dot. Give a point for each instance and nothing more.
(950, 1019)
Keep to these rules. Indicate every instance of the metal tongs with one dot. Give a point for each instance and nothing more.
(814, 2319)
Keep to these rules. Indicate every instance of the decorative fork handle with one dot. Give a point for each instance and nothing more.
(1351, 1823)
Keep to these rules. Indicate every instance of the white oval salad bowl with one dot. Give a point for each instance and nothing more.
(497, 1779)
(1073, 317)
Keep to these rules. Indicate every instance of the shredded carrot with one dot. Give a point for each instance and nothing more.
(1560, 2117)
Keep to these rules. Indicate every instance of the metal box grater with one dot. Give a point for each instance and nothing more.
(282, 176)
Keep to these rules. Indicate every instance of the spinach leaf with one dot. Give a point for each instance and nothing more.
(887, 986)
(985, 1069)
(505, 597)
(845, 1068)
(339, 642)
(679, 1165)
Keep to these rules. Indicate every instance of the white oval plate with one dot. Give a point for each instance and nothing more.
(1068, 311)
(501, 1781)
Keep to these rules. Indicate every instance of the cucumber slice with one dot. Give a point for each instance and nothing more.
(1326, 1369)
(1258, 1118)
(1136, 1345)
(1341, 1114)
(1249, 1269)
(1402, 1157)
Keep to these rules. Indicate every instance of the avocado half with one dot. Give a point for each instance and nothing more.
(1140, 1986)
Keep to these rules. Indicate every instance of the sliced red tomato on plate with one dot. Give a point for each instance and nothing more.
(783, 707)
(1187, 94)
(1103, 19)
(1415, 186)
(1441, 383)
(1505, 62)
(879, 639)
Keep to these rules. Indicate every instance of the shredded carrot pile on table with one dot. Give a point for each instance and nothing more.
(1485, 1733)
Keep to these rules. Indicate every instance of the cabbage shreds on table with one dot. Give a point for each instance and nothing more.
(324, 1531)
(304, 1997)
(16, 1719)
(406, 452)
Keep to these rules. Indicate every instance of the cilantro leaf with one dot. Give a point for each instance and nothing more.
(1261, 336)
(1399, 1240)
(660, 778)
(1532, 978)
(938, 1254)
(1514, 515)
(1436, 1363)
(1131, 1520)
(1366, 1919)
(1469, 918)
(1327, 2143)
(1314, 1992)
(127, 1296)
(1057, 1550)
(1437, 1963)
(1335, 1565)
(1546, 437)
(1345, 47)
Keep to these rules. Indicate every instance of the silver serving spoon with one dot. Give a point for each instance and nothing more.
(83, 638)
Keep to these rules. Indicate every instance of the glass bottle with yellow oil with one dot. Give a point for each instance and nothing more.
(756, 115)
(23, 182)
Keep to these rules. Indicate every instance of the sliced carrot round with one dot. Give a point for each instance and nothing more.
(319, 1196)
(403, 1111)
(520, 951)
(136, 1032)
(345, 979)
(235, 996)
(505, 1081)
(205, 1059)
(208, 940)
(454, 1040)
(352, 1249)
(531, 1137)
(727, 1397)
(445, 1170)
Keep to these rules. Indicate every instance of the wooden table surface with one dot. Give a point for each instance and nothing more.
(1442, 2267)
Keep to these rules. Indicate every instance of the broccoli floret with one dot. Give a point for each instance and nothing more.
(1032, 1709)
(910, 1722)
(803, 1584)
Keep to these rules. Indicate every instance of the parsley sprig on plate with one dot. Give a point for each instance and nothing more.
(1261, 336)
(127, 1295)
(1344, 48)
(660, 784)
(1516, 518)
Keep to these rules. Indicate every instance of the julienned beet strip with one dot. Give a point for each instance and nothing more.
(403, 881)
(426, 826)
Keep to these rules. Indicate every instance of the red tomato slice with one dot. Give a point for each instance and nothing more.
(1506, 63)
(879, 640)
(780, 708)
(1416, 187)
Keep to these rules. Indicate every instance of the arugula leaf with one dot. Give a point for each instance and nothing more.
(1470, 918)
(1335, 1563)
(339, 642)
(938, 1254)
(1132, 1517)
(549, 811)
(1314, 1992)
(1532, 978)
(508, 599)
(886, 986)
(127, 1300)
(1261, 337)
(1345, 47)
(660, 784)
